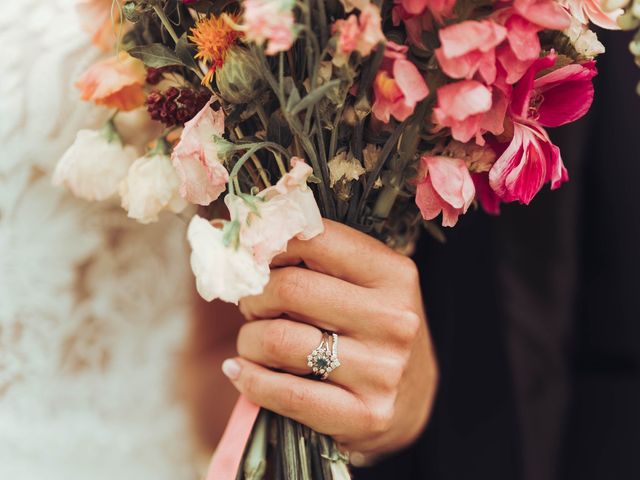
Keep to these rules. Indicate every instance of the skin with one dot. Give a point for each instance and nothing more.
(380, 398)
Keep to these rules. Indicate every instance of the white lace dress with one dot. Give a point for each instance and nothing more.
(93, 307)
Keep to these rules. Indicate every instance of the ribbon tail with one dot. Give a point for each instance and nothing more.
(228, 455)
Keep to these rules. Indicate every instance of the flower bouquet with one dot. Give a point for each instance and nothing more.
(271, 114)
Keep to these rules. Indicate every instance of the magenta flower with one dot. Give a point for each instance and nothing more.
(445, 186)
(554, 99)
(398, 85)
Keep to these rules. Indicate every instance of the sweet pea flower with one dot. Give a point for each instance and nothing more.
(439, 9)
(151, 185)
(93, 167)
(469, 109)
(398, 85)
(531, 159)
(469, 47)
(98, 18)
(116, 82)
(419, 15)
(445, 186)
(489, 201)
(277, 214)
(586, 11)
(270, 22)
(203, 177)
(225, 271)
(358, 33)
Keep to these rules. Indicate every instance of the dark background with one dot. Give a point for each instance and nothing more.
(536, 316)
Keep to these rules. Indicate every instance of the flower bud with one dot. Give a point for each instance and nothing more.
(239, 80)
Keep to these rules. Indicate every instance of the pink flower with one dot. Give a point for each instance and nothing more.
(360, 33)
(439, 9)
(116, 82)
(277, 214)
(469, 47)
(203, 177)
(269, 21)
(586, 11)
(547, 14)
(398, 85)
(530, 161)
(446, 187)
(489, 201)
(468, 108)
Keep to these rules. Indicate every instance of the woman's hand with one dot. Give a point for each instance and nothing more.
(380, 398)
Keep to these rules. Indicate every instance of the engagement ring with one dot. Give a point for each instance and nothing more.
(324, 359)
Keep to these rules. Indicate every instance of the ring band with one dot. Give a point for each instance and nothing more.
(324, 358)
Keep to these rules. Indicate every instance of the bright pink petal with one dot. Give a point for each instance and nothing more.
(488, 199)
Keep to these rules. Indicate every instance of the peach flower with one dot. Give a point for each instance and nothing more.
(277, 214)
(203, 177)
(398, 85)
(358, 33)
(115, 82)
(151, 185)
(93, 167)
(446, 186)
(586, 11)
(101, 19)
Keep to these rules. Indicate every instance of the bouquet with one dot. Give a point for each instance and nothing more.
(272, 114)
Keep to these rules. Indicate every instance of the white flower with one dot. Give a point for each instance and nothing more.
(584, 40)
(222, 271)
(93, 167)
(277, 214)
(344, 167)
(151, 186)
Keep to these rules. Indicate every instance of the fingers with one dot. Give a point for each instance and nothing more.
(326, 302)
(285, 345)
(343, 252)
(324, 407)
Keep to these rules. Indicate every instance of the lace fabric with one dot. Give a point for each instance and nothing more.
(93, 306)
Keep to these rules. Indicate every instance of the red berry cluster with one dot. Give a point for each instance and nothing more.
(175, 106)
(154, 75)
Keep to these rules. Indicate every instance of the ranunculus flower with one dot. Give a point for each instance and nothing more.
(277, 214)
(93, 167)
(468, 108)
(151, 185)
(98, 18)
(358, 33)
(398, 85)
(203, 177)
(586, 11)
(469, 47)
(269, 21)
(116, 82)
(225, 271)
(445, 186)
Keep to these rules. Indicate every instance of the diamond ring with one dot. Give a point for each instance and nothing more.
(324, 358)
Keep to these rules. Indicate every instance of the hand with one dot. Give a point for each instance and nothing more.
(380, 398)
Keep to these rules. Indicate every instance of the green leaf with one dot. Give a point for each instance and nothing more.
(185, 52)
(156, 55)
(314, 97)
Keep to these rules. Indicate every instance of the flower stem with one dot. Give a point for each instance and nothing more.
(165, 21)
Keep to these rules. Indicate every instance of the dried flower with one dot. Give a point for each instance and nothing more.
(239, 80)
(176, 106)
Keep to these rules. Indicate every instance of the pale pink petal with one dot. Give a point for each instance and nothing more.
(548, 14)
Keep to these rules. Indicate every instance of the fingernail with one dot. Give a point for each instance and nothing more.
(231, 368)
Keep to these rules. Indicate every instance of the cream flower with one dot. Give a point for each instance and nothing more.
(344, 167)
(93, 167)
(223, 271)
(150, 187)
(585, 41)
(277, 214)
(203, 177)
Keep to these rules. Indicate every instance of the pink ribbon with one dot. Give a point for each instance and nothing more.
(227, 457)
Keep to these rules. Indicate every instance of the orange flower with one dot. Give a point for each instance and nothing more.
(115, 82)
(101, 19)
(214, 36)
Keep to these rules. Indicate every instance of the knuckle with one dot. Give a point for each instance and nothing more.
(393, 373)
(289, 284)
(296, 399)
(275, 339)
(380, 418)
(409, 270)
(406, 326)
